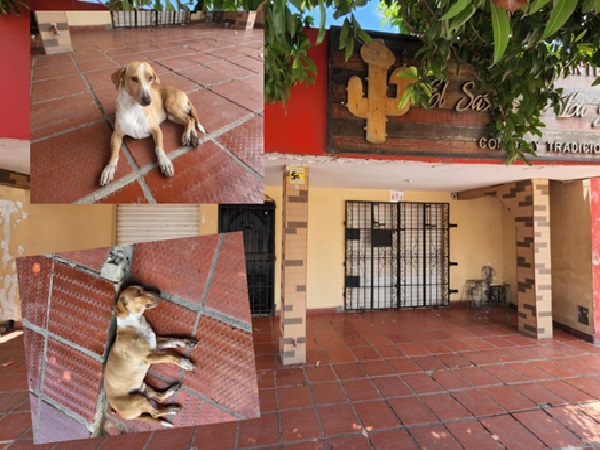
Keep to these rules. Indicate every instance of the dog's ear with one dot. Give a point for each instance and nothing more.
(120, 309)
(118, 76)
(155, 77)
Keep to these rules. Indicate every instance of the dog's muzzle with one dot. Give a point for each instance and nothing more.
(146, 100)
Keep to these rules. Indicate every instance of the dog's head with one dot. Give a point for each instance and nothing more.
(136, 78)
(134, 300)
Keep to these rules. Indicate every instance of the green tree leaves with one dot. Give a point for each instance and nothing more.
(560, 13)
(501, 27)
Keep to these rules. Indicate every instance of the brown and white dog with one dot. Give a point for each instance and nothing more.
(142, 105)
(131, 355)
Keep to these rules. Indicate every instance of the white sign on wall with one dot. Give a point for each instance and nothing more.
(396, 196)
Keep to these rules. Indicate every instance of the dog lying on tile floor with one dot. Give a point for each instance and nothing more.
(142, 105)
(131, 355)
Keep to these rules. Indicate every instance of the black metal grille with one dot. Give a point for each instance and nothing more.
(258, 224)
(397, 255)
(148, 18)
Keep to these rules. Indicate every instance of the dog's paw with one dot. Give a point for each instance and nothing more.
(108, 174)
(166, 167)
(172, 390)
(186, 364)
(201, 128)
(190, 139)
(191, 343)
(166, 424)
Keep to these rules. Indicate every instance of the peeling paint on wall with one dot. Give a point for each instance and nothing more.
(12, 213)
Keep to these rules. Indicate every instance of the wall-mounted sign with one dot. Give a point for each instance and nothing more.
(297, 175)
(364, 116)
(396, 196)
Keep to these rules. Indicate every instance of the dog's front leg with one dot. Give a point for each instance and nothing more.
(165, 164)
(162, 358)
(115, 147)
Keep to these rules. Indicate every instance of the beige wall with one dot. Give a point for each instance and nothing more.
(209, 219)
(87, 18)
(36, 229)
(571, 252)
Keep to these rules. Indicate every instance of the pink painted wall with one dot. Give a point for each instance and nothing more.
(595, 213)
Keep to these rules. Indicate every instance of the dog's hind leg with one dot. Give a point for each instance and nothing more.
(158, 358)
(167, 342)
(193, 115)
(152, 394)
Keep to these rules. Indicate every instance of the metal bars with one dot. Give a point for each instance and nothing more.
(397, 255)
(257, 221)
(148, 18)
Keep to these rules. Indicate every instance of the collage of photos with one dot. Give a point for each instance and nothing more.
(320, 225)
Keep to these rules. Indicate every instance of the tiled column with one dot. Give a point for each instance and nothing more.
(292, 338)
(529, 203)
(54, 31)
(595, 215)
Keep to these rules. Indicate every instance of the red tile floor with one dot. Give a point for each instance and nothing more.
(67, 310)
(430, 379)
(73, 107)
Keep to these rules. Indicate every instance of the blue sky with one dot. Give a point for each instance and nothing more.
(368, 17)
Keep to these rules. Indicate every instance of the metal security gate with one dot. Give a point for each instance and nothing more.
(397, 255)
(258, 224)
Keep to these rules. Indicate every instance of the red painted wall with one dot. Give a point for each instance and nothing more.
(301, 128)
(14, 76)
(15, 62)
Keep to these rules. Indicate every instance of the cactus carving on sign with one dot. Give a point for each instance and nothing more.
(377, 106)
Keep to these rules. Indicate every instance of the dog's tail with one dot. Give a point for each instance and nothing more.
(193, 115)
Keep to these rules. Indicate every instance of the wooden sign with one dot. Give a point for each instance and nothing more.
(365, 118)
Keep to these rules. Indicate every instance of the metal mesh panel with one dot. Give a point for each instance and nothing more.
(397, 255)
(258, 224)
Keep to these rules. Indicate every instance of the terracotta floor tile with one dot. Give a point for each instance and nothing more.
(247, 142)
(158, 264)
(449, 379)
(289, 376)
(206, 175)
(478, 403)
(477, 376)
(263, 431)
(93, 258)
(128, 440)
(57, 87)
(360, 390)
(293, 397)
(403, 365)
(392, 440)
(34, 288)
(340, 355)
(412, 349)
(14, 425)
(54, 71)
(131, 193)
(412, 411)
(310, 445)
(554, 368)
(358, 442)
(445, 407)
(338, 419)
(505, 374)
(177, 63)
(34, 345)
(537, 394)
(81, 307)
(63, 113)
(349, 371)
(547, 429)
(325, 393)
(218, 436)
(509, 398)
(421, 383)
(389, 351)
(429, 362)
(241, 92)
(566, 391)
(434, 437)
(94, 64)
(174, 438)
(204, 75)
(217, 112)
(589, 385)
(268, 402)
(254, 64)
(320, 374)
(511, 433)
(10, 401)
(391, 386)
(195, 410)
(79, 156)
(72, 379)
(300, 425)
(57, 426)
(376, 415)
(530, 371)
(471, 434)
(576, 420)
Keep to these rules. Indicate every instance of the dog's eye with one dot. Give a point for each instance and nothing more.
(151, 78)
(135, 79)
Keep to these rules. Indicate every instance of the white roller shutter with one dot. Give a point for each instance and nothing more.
(143, 223)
